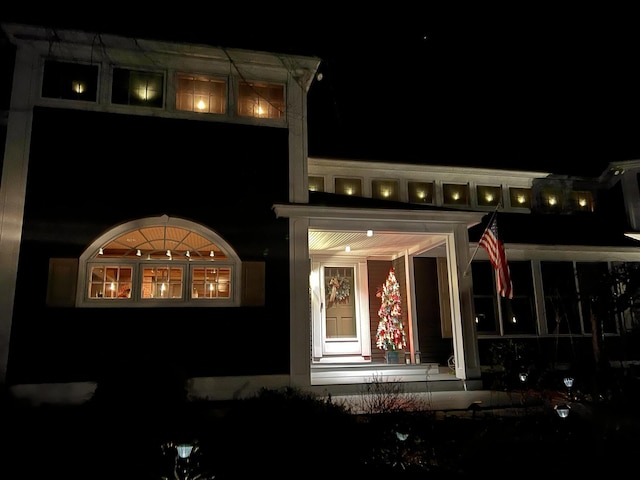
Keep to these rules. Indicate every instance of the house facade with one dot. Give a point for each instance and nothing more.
(160, 216)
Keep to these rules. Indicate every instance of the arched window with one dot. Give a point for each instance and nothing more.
(159, 261)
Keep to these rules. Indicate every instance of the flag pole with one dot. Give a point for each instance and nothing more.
(493, 214)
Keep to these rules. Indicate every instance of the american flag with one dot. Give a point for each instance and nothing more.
(494, 247)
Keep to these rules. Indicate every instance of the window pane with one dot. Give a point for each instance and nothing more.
(384, 189)
(420, 192)
(595, 295)
(560, 298)
(70, 81)
(484, 298)
(110, 281)
(316, 184)
(201, 94)
(162, 281)
(626, 276)
(488, 196)
(211, 282)
(138, 88)
(520, 197)
(348, 186)
(455, 194)
(261, 100)
(518, 313)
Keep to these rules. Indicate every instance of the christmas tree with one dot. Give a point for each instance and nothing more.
(390, 335)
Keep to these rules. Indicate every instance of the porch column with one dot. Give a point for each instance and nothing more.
(465, 340)
(300, 321)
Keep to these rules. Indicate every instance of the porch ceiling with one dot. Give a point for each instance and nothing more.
(380, 244)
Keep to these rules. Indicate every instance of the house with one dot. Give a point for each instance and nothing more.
(160, 216)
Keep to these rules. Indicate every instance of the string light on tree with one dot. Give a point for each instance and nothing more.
(390, 334)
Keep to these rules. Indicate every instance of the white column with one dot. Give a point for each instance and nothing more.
(13, 189)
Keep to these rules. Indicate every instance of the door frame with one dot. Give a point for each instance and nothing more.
(340, 350)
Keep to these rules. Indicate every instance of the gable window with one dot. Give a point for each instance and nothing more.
(137, 88)
(260, 100)
(152, 264)
(201, 94)
(70, 81)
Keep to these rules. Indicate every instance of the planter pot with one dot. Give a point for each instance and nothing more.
(393, 356)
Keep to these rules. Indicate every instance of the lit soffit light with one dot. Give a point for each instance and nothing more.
(369, 233)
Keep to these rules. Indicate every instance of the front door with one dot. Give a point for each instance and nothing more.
(340, 323)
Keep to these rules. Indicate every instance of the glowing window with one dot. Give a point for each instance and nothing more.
(316, 184)
(349, 186)
(201, 94)
(520, 197)
(70, 81)
(131, 87)
(260, 100)
(488, 196)
(384, 189)
(420, 192)
(455, 194)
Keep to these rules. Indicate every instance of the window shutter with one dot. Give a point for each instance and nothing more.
(61, 285)
(253, 279)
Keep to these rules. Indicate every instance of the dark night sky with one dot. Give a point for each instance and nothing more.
(550, 89)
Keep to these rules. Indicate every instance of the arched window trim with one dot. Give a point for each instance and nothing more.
(89, 255)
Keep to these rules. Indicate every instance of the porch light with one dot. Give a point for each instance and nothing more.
(138, 253)
(188, 254)
(211, 254)
(100, 252)
(523, 376)
(562, 410)
(369, 233)
(168, 253)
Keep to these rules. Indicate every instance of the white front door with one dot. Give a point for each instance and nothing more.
(340, 317)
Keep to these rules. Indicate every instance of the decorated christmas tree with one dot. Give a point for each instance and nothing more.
(390, 334)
